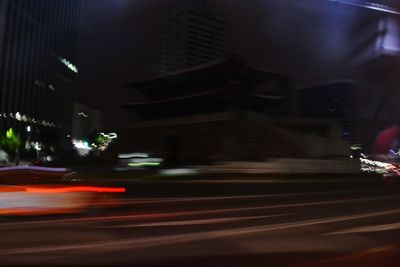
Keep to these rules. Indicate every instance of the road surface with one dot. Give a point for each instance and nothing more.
(219, 223)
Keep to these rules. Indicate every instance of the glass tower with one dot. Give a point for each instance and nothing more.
(38, 41)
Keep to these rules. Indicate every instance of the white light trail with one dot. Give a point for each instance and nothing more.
(69, 65)
(110, 135)
(395, 153)
(133, 155)
(369, 5)
(82, 114)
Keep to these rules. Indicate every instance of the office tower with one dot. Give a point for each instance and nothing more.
(192, 35)
(38, 41)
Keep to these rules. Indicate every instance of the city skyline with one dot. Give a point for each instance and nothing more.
(126, 35)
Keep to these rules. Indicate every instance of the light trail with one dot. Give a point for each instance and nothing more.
(165, 240)
(368, 229)
(165, 215)
(55, 190)
(33, 168)
(369, 5)
(197, 222)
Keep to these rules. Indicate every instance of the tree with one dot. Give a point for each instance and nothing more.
(11, 143)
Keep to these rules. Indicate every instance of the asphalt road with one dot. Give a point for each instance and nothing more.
(220, 223)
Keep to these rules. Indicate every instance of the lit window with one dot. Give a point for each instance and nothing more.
(18, 116)
(69, 65)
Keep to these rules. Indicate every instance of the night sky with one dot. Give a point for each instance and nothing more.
(119, 42)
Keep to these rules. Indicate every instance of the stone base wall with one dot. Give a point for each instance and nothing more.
(230, 140)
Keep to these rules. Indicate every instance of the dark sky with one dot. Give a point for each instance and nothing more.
(119, 41)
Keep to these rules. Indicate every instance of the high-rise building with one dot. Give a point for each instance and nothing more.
(38, 40)
(193, 34)
(374, 53)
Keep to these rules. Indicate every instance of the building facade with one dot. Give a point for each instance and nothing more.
(375, 58)
(193, 34)
(349, 102)
(225, 111)
(38, 41)
(85, 121)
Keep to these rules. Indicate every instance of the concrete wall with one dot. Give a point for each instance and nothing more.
(228, 140)
(288, 166)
